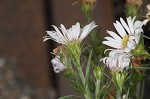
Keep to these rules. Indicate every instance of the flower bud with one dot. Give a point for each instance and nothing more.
(119, 78)
(140, 50)
(87, 7)
(133, 7)
(89, 1)
(98, 72)
(138, 3)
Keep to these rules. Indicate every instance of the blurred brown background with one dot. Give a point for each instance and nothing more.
(22, 26)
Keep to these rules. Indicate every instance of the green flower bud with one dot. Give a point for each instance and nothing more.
(98, 72)
(133, 7)
(118, 79)
(87, 7)
(140, 50)
(132, 11)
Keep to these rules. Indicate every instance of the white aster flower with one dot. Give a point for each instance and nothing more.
(129, 35)
(67, 35)
(57, 65)
(117, 60)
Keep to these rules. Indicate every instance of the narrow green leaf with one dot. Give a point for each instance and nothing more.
(127, 95)
(146, 37)
(77, 87)
(65, 97)
(141, 68)
(144, 65)
(102, 91)
(142, 89)
(88, 69)
(71, 97)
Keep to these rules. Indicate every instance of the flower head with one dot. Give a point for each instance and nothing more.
(57, 65)
(75, 33)
(117, 60)
(147, 15)
(129, 35)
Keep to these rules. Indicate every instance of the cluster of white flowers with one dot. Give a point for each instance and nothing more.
(124, 42)
(65, 36)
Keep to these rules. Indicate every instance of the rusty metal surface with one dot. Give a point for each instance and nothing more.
(21, 32)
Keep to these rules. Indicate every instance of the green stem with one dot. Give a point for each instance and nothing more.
(142, 89)
(119, 94)
(88, 17)
(83, 79)
(97, 85)
(88, 94)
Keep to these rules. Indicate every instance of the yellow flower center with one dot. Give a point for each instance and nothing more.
(125, 40)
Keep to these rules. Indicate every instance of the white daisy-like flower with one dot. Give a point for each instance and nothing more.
(57, 65)
(117, 60)
(129, 35)
(67, 35)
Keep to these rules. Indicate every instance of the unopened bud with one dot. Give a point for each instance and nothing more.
(89, 1)
(138, 3)
(98, 72)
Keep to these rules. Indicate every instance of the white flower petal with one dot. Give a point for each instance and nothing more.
(57, 65)
(128, 35)
(138, 24)
(54, 36)
(62, 27)
(87, 29)
(120, 29)
(125, 25)
(113, 40)
(68, 35)
(114, 35)
(130, 45)
(45, 39)
(137, 36)
(77, 30)
(73, 32)
(111, 44)
(130, 24)
(145, 21)
(64, 31)
(57, 30)
(113, 52)
(127, 49)
(117, 60)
